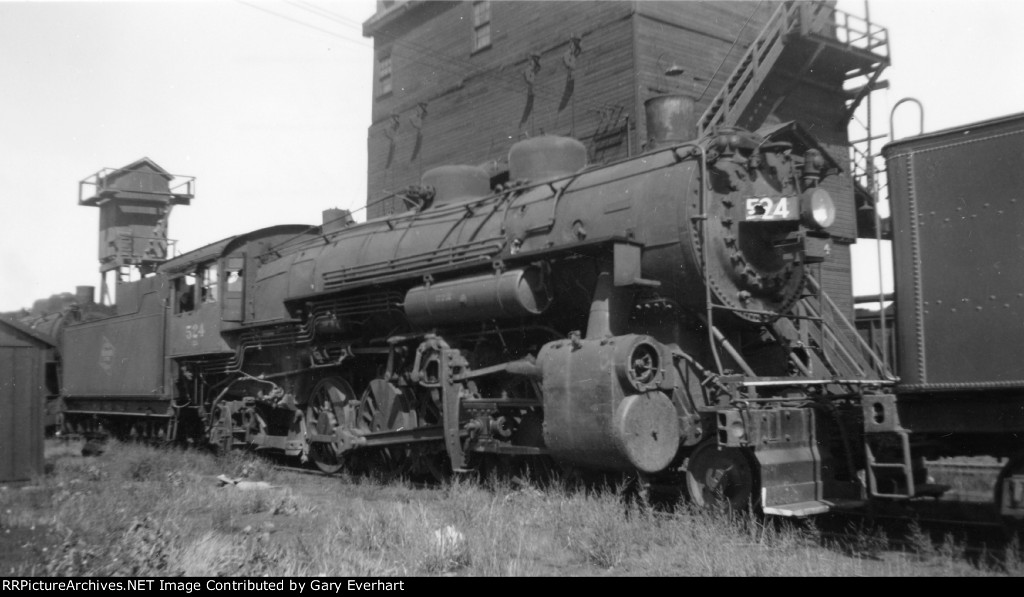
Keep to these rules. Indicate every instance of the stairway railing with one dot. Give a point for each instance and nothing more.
(748, 75)
(816, 20)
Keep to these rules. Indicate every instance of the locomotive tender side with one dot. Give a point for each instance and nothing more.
(957, 206)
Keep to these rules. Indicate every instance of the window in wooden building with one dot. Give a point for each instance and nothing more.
(481, 25)
(384, 74)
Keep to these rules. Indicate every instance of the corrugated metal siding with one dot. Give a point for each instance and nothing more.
(21, 407)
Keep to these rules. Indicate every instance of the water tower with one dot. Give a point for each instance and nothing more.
(135, 204)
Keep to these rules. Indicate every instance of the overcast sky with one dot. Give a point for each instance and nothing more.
(267, 104)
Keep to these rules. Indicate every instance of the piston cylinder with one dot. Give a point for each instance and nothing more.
(515, 293)
(604, 407)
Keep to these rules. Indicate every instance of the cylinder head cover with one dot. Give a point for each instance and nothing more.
(602, 412)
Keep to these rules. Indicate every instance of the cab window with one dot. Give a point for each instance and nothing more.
(184, 291)
(209, 284)
(234, 280)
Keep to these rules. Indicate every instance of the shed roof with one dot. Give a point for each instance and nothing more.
(18, 329)
(137, 165)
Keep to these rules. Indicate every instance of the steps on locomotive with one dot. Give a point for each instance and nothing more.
(893, 474)
(812, 507)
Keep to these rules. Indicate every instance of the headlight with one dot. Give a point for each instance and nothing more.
(817, 210)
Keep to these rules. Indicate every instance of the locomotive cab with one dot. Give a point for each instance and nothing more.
(209, 288)
(194, 322)
(207, 301)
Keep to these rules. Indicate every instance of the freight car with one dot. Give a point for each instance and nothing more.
(958, 251)
(658, 316)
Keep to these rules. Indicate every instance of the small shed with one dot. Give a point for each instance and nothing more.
(23, 354)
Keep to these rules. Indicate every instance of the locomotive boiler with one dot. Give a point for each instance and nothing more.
(657, 316)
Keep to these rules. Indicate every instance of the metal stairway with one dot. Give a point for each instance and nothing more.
(831, 346)
(802, 44)
(749, 74)
(820, 34)
(799, 37)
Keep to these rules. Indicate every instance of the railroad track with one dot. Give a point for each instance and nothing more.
(966, 467)
(969, 481)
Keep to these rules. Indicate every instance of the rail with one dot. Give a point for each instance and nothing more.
(850, 30)
(892, 116)
(862, 166)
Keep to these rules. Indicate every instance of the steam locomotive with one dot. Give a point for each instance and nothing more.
(659, 316)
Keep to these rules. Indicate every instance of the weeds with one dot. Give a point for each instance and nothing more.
(920, 542)
(448, 552)
(378, 530)
(136, 510)
(1013, 558)
(869, 541)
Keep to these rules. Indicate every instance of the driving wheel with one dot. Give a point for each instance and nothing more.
(385, 407)
(329, 402)
(719, 478)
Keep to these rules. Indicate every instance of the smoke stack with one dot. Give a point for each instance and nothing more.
(671, 119)
(84, 295)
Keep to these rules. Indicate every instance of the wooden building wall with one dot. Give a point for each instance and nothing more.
(22, 392)
(478, 104)
(707, 39)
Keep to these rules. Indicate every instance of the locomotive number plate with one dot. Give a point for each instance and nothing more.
(760, 209)
(193, 332)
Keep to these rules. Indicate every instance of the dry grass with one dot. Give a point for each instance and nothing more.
(138, 510)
